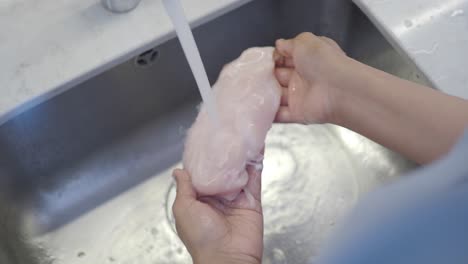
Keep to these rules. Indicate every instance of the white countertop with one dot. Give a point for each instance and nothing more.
(433, 34)
(47, 46)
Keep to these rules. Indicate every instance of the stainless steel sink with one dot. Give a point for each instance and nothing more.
(85, 176)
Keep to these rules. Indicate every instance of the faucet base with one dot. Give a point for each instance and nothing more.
(120, 6)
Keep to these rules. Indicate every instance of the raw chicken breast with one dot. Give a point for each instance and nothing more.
(247, 98)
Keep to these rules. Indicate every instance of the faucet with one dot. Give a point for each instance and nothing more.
(120, 6)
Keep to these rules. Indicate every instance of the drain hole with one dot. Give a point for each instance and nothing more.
(147, 58)
(154, 55)
(142, 62)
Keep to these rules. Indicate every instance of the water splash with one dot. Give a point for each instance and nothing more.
(426, 51)
(456, 13)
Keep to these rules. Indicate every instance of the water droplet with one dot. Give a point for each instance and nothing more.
(278, 256)
(169, 254)
(81, 254)
(179, 251)
(408, 23)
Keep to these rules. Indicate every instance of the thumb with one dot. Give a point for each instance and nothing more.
(184, 185)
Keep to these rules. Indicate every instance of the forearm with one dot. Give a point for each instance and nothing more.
(419, 122)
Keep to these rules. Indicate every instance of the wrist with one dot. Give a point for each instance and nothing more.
(225, 259)
(350, 78)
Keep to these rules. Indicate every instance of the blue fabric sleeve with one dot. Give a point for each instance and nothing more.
(420, 219)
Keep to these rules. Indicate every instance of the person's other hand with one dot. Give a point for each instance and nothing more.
(309, 68)
(216, 231)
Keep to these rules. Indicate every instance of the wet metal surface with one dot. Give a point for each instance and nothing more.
(312, 176)
(432, 33)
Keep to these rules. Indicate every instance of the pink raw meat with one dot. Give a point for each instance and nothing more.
(247, 98)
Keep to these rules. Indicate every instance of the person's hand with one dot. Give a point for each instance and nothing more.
(309, 68)
(216, 231)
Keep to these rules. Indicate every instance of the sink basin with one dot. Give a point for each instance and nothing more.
(86, 175)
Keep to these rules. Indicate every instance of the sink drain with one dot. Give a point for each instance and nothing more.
(147, 58)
